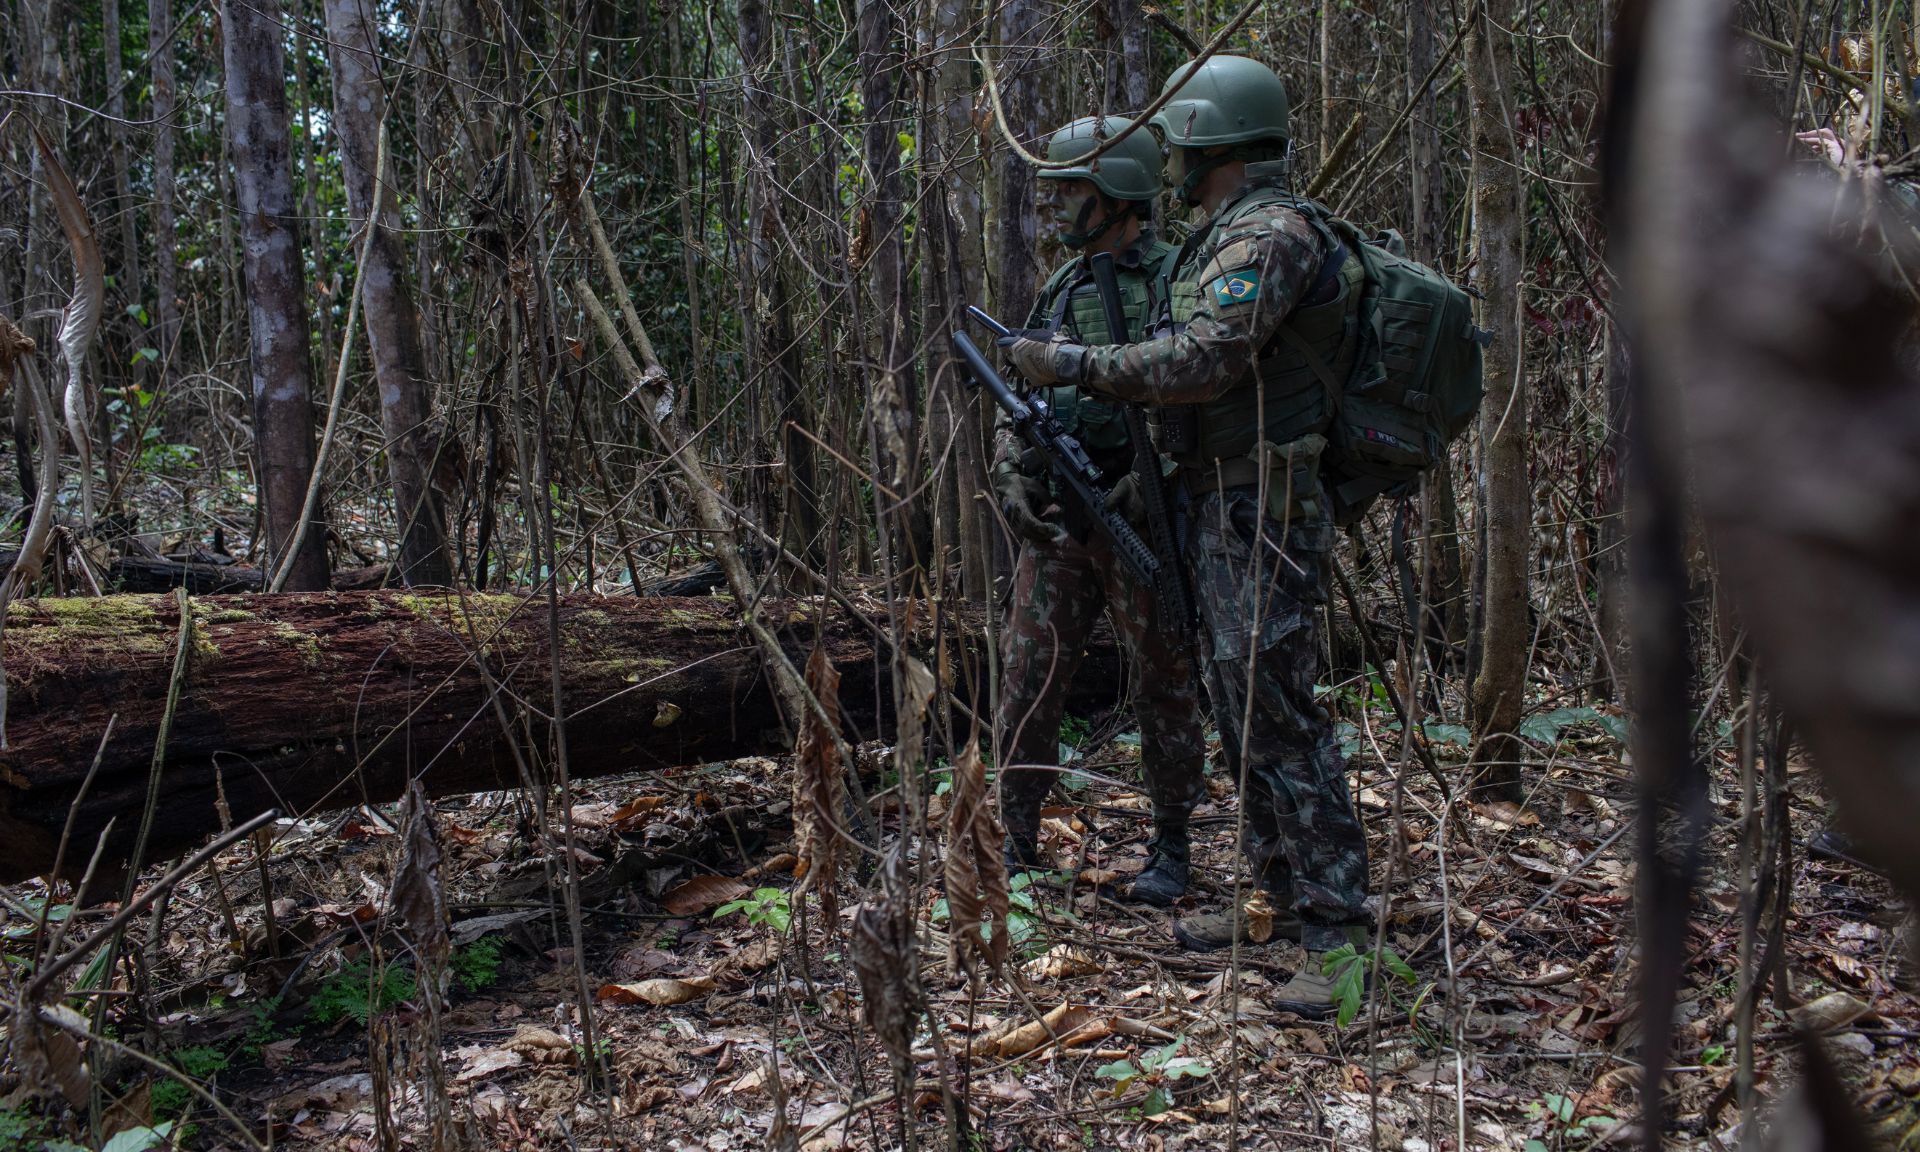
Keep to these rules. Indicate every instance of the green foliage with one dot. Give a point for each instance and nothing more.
(1158, 1067)
(1349, 968)
(17, 1128)
(138, 1139)
(1547, 727)
(1074, 732)
(1559, 1111)
(1023, 914)
(170, 1098)
(350, 993)
(767, 907)
(476, 967)
(263, 1030)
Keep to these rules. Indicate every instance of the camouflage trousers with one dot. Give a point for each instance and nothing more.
(1057, 595)
(1261, 651)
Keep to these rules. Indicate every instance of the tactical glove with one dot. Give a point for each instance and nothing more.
(1126, 500)
(1024, 499)
(1042, 357)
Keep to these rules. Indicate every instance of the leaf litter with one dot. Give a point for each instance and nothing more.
(1533, 1039)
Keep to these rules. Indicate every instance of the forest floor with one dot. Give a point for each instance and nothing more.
(1516, 1030)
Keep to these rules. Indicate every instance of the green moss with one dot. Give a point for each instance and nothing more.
(129, 623)
(305, 643)
(479, 615)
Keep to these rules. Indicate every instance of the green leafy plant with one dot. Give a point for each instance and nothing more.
(766, 908)
(476, 966)
(1160, 1068)
(1559, 1111)
(17, 1128)
(1349, 968)
(351, 994)
(1548, 727)
(138, 1139)
(171, 1098)
(1023, 914)
(264, 1030)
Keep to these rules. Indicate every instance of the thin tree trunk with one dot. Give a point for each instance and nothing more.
(128, 272)
(1610, 565)
(1017, 230)
(770, 339)
(392, 319)
(1130, 27)
(277, 318)
(166, 312)
(1498, 691)
(1423, 142)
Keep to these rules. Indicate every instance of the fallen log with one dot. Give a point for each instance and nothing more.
(325, 700)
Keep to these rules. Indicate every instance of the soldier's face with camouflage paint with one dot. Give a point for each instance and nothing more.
(1074, 207)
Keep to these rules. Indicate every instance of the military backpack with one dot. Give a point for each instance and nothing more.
(1416, 381)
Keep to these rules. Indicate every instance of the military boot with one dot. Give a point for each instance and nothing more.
(1259, 917)
(1164, 879)
(1310, 992)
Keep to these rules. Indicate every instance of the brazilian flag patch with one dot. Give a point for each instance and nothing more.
(1241, 287)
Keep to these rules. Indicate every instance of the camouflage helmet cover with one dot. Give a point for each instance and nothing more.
(1227, 100)
(1130, 170)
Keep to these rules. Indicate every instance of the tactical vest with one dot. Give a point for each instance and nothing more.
(1098, 424)
(1215, 442)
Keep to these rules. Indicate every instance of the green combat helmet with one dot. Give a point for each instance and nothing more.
(1228, 100)
(1130, 170)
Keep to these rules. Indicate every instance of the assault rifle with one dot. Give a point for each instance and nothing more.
(1034, 422)
(1170, 589)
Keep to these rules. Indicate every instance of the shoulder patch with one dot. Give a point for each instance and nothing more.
(1242, 287)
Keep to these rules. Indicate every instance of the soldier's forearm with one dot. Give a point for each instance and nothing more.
(1171, 370)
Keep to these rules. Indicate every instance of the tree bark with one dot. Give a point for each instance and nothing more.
(392, 319)
(1130, 28)
(1017, 226)
(1427, 180)
(1499, 689)
(256, 64)
(166, 312)
(773, 349)
(127, 274)
(313, 702)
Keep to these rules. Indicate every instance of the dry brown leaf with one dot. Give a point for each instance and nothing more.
(1098, 876)
(628, 815)
(701, 893)
(1259, 912)
(882, 954)
(785, 862)
(976, 873)
(661, 991)
(488, 1063)
(1062, 1021)
(1507, 814)
(665, 712)
(819, 790)
(1834, 1010)
(541, 1045)
(1062, 962)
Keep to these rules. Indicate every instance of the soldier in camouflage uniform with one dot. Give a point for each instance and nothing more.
(1260, 329)
(1066, 572)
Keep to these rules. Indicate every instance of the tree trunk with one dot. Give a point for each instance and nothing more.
(127, 274)
(1499, 688)
(1428, 182)
(1610, 500)
(317, 702)
(1017, 227)
(1130, 27)
(166, 312)
(392, 320)
(773, 351)
(276, 281)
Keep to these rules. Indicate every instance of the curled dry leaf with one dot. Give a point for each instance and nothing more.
(1062, 962)
(1098, 876)
(882, 957)
(541, 1045)
(701, 893)
(661, 991)
(976, 873)
(1259, 912)
(819, 790)
(1063, 1021)
(1834, 1010)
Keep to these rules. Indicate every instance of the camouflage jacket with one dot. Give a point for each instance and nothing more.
(1248, 268)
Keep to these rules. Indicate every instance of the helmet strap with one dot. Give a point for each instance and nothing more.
(1189, 191)
(1117, 210)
